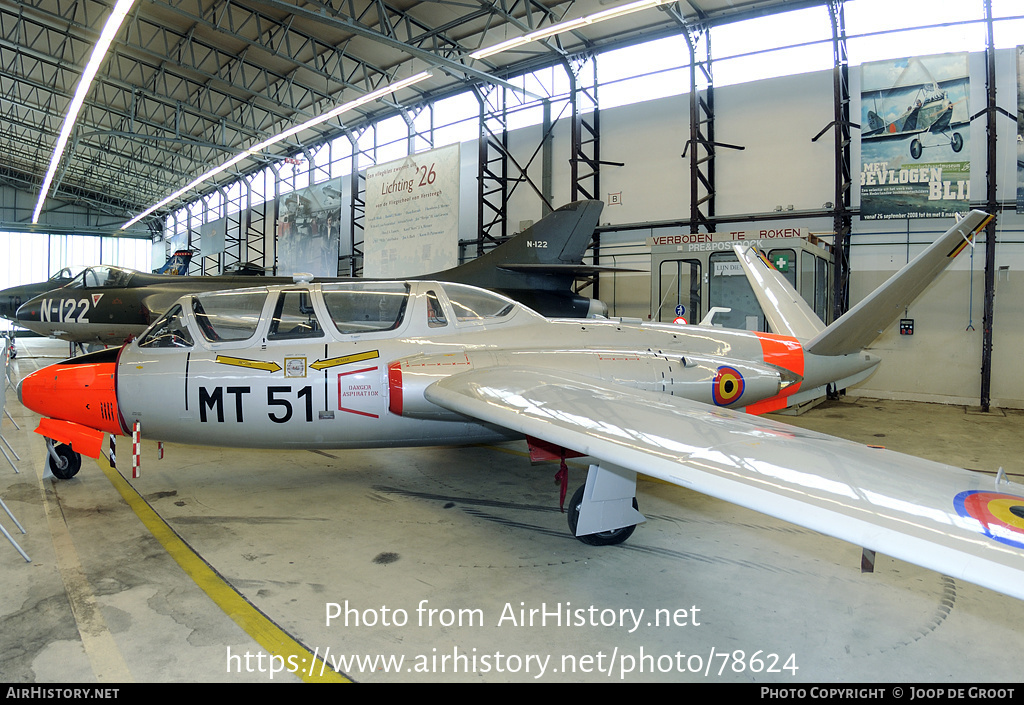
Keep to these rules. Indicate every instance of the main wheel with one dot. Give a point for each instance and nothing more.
(69, 465)
(603, 538)
(957, 143)
(916, 148)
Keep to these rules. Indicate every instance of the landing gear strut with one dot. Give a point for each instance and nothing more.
(956, 143)
(603, 512)
(63, 462)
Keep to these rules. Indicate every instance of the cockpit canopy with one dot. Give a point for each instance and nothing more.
(101, 277)
(64, 274)
(329, 310)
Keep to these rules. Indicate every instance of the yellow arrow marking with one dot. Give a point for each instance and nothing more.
(251, 364)
(344, 360)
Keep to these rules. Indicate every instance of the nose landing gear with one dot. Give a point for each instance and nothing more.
(63, 462)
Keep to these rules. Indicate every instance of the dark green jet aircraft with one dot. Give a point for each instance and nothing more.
(108, 305)
(11, 299)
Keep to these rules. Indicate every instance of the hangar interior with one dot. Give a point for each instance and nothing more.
(228, 128)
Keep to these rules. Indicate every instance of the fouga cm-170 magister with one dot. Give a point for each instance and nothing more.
(365, 364)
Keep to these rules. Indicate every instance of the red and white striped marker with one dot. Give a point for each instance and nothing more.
(136, 449)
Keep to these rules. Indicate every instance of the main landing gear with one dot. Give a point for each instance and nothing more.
(603, 512)
(956, 142)
(63, 462)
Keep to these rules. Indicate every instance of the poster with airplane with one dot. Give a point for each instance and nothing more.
(915, 156)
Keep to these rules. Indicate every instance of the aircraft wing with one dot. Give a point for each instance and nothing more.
(885, 135)
(962, 524)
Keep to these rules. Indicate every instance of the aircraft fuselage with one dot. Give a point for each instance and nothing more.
(330, 383)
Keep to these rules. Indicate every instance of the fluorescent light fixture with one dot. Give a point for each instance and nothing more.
(499, 47)
(506, 45)
(290, 132)
(566, 26)
(624, 10)
(99, 52)
(554, 29)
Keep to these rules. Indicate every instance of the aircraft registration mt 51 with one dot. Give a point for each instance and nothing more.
(372, 364)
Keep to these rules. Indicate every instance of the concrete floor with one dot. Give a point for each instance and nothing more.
(475, 538)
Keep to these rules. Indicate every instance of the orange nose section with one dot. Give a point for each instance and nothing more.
(80, 390)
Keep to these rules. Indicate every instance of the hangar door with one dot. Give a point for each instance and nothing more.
(679, 293)
(689, 284)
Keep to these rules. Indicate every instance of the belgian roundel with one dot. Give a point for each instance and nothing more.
(728, 385)
(1001, 515)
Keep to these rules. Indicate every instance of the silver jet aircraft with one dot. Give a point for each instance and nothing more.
(370, 364)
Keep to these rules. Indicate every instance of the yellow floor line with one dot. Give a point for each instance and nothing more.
(256, 624)
(98, 643)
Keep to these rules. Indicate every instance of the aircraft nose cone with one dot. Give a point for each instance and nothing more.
(28, 311)
(35, 391)
(80, 390)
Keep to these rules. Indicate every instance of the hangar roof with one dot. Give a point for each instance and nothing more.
(188, 84)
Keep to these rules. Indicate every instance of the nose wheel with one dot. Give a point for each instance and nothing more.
(63, 462)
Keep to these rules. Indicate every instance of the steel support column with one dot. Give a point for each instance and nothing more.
(492, 168)
(547, 159)
(259, 218)
(419, 140)
(499, 172)
(841, 220)
(701, 144)
(235, 226)
(585, 161)
(992, 205)
(357, 198)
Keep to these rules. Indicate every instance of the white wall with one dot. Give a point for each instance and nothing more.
(941, 362)
(775, 120)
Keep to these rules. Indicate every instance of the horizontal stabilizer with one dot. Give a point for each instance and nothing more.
(785, 309)
(566, 268)
(858, 327)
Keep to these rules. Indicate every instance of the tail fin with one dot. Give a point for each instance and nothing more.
(785, 309)
(554, 244)
(859, 326)
(177, 264)
(538, 266)
(545, 256)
